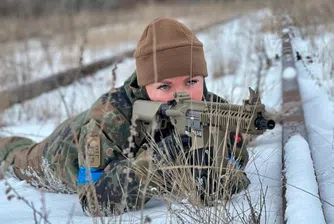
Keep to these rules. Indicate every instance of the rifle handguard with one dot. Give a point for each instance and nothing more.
(195, 118)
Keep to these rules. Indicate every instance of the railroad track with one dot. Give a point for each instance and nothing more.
(294, 124)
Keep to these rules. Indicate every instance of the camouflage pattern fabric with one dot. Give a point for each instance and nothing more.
(105, 197)
(97, 138)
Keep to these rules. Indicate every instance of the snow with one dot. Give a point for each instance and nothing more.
(289, 73)
(34, 130)
(264, 167)
(76, 98)
(316, 83)
(285, 30)
(40, 57)
(61, 207)
(303, 204)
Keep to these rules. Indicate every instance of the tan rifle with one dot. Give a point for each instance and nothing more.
(201, 119)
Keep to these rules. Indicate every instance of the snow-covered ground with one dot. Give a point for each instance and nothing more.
(234, 42)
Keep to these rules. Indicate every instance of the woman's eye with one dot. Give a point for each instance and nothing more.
(193, 81)
(163, 87)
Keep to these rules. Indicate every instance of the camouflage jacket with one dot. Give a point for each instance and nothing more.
(98, 135)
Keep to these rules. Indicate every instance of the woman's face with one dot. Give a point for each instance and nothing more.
(163, 91)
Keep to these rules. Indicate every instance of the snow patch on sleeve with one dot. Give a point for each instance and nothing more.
(303, 206)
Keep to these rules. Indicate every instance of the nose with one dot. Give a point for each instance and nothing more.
(186, 91)
(180, 87)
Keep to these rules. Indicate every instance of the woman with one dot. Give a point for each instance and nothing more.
(89, 154)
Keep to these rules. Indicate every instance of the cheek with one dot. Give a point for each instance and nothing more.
(196, 91)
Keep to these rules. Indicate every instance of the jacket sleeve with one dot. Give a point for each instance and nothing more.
(103, 140)
(107, 180)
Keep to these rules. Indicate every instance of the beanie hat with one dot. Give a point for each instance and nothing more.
(172, 48)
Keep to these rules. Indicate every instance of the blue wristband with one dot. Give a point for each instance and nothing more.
(83, 178)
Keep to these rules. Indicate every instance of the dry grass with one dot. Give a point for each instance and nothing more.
(67, 36)
(128, 26)
(311, 17)
(54, 25)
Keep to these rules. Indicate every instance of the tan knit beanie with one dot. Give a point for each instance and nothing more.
(175, 50)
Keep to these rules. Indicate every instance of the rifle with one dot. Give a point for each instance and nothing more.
(200, 120)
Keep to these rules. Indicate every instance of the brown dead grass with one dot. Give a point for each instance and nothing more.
(94, 31)
(22, 28)
(311, 17)
(129, 26)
